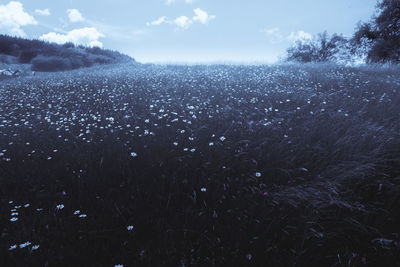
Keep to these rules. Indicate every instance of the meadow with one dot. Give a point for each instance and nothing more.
(162, 165)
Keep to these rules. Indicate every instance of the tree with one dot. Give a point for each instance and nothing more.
(302, 52)
(54, 57)
(323, 49)
(379, 39)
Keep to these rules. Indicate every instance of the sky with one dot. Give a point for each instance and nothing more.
(194, 31)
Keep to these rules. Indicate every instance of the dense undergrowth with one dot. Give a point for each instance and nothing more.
(51, 57)
(201, 165)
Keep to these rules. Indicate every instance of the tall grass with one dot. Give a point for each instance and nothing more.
(307, 173)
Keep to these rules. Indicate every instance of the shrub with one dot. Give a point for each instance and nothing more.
(101, 60)
(27, 56)
(41, 63)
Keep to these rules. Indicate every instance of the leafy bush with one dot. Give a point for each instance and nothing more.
(48, 64)
(27, 56)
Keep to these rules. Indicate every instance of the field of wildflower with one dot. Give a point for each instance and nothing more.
(157, 165)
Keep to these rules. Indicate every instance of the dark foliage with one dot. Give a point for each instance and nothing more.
(26, 56)
(59, 57)
(43, 63)
(379, 39)
(323, 49)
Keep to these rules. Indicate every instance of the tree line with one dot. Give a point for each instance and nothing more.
(375, 41)
(44, 56)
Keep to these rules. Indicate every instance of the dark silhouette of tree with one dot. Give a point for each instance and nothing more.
(302, 52)
(379, 39)
(325, 48)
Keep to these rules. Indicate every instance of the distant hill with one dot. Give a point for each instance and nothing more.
(44, 56)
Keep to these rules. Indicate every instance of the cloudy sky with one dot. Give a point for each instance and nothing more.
(184, 30)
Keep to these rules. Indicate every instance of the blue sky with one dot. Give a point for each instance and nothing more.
(184, 30)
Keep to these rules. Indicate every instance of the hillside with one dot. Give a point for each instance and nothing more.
(201, 166)
(44, 56)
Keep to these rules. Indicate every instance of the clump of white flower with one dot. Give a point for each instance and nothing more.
(23, 245)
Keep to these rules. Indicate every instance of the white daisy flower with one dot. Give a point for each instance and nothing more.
(23, 245)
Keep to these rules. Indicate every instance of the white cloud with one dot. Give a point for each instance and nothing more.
(301, 36)
(74, 15)
(13, 17)
(183, 22)
(170, 2)
(272, 31)
(202, 16)
(274, 35)
(43, 12)
(159, 21)
(84, 36)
